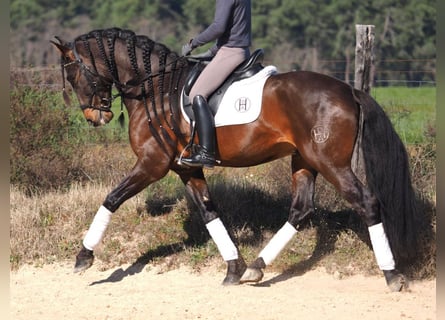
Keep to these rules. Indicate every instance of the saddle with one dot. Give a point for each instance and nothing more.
(247, 69)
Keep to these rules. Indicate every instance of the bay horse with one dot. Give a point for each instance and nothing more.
(322, 123)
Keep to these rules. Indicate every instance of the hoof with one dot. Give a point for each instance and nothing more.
(231, 280)
(395, 280)
(252, 275)
(84, 260)
(235, 268)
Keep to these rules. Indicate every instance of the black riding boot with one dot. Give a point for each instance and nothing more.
(205, 124)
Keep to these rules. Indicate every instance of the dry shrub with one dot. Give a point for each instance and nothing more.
(423, 172)
(47, 226)
(158, 226)
(41, 156)
(49, 147)
(48, 78)
(107, 163)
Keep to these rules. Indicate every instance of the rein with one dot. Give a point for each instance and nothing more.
(150, 78)
(120, 86)
(94, 84)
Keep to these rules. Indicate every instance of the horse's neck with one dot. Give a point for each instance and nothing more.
(118, 58)
(154, 82)
(148, 63)
(146, 73)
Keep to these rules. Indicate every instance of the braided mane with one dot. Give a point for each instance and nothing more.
(153, 80)
(133, 41)
(142, 41)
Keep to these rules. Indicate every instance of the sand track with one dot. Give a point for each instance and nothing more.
(54, 292)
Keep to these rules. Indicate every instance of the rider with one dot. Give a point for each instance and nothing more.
(231, 28)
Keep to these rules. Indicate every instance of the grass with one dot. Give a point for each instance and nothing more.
(159, 227)
(411, 110)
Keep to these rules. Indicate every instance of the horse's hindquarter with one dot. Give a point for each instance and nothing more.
(301, 111)
(260, 141)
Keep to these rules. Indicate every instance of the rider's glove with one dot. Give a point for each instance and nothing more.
(187, 48)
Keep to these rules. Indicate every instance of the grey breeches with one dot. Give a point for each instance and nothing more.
(218, 69)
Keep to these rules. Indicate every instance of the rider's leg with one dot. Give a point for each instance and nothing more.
(213, 75)
(206, 133)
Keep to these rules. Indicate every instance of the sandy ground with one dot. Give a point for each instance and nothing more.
(54, 292)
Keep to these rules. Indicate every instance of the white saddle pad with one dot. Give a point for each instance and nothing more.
(242, 101)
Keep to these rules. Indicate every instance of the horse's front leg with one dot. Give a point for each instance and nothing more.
(197, 188)
(136, 181)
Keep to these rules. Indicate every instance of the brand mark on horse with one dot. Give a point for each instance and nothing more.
(319, 134)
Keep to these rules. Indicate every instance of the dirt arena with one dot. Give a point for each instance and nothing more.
(55, 292)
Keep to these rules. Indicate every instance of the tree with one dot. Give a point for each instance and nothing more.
(305, 34)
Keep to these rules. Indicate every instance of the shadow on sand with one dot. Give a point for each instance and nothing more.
(260, 213)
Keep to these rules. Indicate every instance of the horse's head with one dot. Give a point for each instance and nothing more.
(92, 89)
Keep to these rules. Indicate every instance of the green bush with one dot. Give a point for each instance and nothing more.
(41, 157)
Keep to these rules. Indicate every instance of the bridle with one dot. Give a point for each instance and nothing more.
(98, 83)
(104, 83)
(92, 76)
(159, 94)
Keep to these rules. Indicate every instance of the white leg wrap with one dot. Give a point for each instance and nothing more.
(381, 248)
(221, 237)
(277, 243)
(97, 228)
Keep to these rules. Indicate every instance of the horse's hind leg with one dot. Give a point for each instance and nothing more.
(303, 186)
(367, 206)
(197, 188)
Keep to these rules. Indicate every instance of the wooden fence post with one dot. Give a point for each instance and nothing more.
(364, 57)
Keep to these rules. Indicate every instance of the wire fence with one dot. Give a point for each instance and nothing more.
(49, 78)
(388, 72)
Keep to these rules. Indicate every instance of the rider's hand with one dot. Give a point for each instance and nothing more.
(187, 48)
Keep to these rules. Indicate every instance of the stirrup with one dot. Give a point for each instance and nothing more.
(179, 161)
(201, 158)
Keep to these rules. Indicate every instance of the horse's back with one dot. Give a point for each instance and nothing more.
(308, 99)
(309, 86)
(302, 112)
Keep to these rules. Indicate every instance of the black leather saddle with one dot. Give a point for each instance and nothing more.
(245, 70)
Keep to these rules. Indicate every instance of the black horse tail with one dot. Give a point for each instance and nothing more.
(388, 177)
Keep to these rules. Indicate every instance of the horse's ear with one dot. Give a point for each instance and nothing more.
(64, 48)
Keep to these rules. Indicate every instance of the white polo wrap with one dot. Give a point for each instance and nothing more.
(381, 247)
(221, 237)
(277, 243)
(97, 228)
